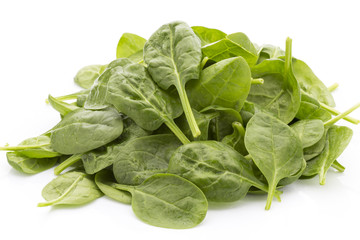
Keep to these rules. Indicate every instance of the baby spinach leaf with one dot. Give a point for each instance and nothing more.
(208, 35)
(310, 83)
(310, 109)
(233, 45)
(173, 55)
(221, 126)
(169, 201)
(29, 165)
(338, 137)
(275, 149)
(83, 130)
(105, 180)
(71, 188)
(269, 52)
(222, 173)
(97, 96)
(36, 147)
(280, 93)
(310, 131)
(87, 75)
(133, 93)
(62, 107)
(226, 83)
(236, 139)
(144, 157)
(130, 46)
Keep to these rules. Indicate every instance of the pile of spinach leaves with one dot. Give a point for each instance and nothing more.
(188, 116)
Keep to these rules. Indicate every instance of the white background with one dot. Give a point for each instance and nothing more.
(44, 43)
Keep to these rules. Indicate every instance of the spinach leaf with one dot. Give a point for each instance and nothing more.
(280, 93)
(208, 35)
(275, 149)
(83, 130)
(87, 75)
(97, 96)
(226, 83)
(133, 93)
(167, 200)
(221, 126)
(269, 52)
(173, 55)
(105, 180)
(338, 137)
(310, 109)
(233, 45)
(29, 165)
(222, 173)
(236, 139)
(310, 83)
(71, 188)
(144, 157)
(310, 131)
(36, 147)
(130, 46)
(62, 107)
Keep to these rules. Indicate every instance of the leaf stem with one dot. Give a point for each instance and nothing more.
(271, 192)
(203, 62)
(177, 131)
(288, 56)
(338, 166)
(257, 81)
(188, 112)
(333, 87)
(335, 112)
(22, 147)
(67, 163)
(342, 115)
(62, 196)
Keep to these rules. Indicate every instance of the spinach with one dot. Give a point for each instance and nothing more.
(275, 149)
(337, 138)
(83, 130)
(143, 157)
(226, 83)
(189, 116)
(167, 200)
(233, 45)
(133, 93)
(236, 139)
(36, 147)
(87, 75)
(105, 180)
(29, 165)
(72, 188)
(173, 55)
(222, 173)
(208, 35)
(280, 93)
(130, 46)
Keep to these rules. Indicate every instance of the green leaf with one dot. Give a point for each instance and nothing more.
(173, 55)
(208, 35)
(311, 109)
(130, 46)
(222, 173)
(62, 107)
(337, 139)
(269, 52)
(105, 180)
(29, 165)
(226, 83)
(275, 149)
(168, 201)
(310, 131)
(133, 93)
(71, 188)
(83, 130)
(87, 75)
(234, 45)
(143, 157)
